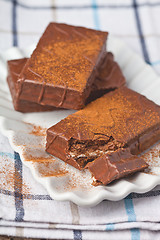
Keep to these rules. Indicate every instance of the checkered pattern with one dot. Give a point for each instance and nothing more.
(26, 210)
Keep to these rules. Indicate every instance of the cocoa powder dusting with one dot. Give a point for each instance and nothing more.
(65, 56)
(152, 157)
(9, 177)
(122, 114)
(31, 158)
(38, 131)
(47, 169)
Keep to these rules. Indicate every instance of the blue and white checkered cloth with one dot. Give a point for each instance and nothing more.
(26, 210)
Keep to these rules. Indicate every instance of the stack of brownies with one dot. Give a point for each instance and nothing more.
(71, 69)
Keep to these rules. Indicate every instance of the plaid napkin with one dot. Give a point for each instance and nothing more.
(26, 210)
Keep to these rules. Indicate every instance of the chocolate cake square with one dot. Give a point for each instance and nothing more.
(63, 67)
(120, 119)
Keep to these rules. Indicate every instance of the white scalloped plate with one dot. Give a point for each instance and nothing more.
(62, 181)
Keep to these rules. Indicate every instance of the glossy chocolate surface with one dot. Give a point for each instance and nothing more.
(63, 66)
(115, 165)
(14, 69)
(119, 119)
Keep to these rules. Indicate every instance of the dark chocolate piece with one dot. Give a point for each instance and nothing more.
(63, 67)
(115, 165)
(120, 119)
(14, 69)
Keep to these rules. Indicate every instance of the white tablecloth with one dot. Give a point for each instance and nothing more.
(26, 210)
